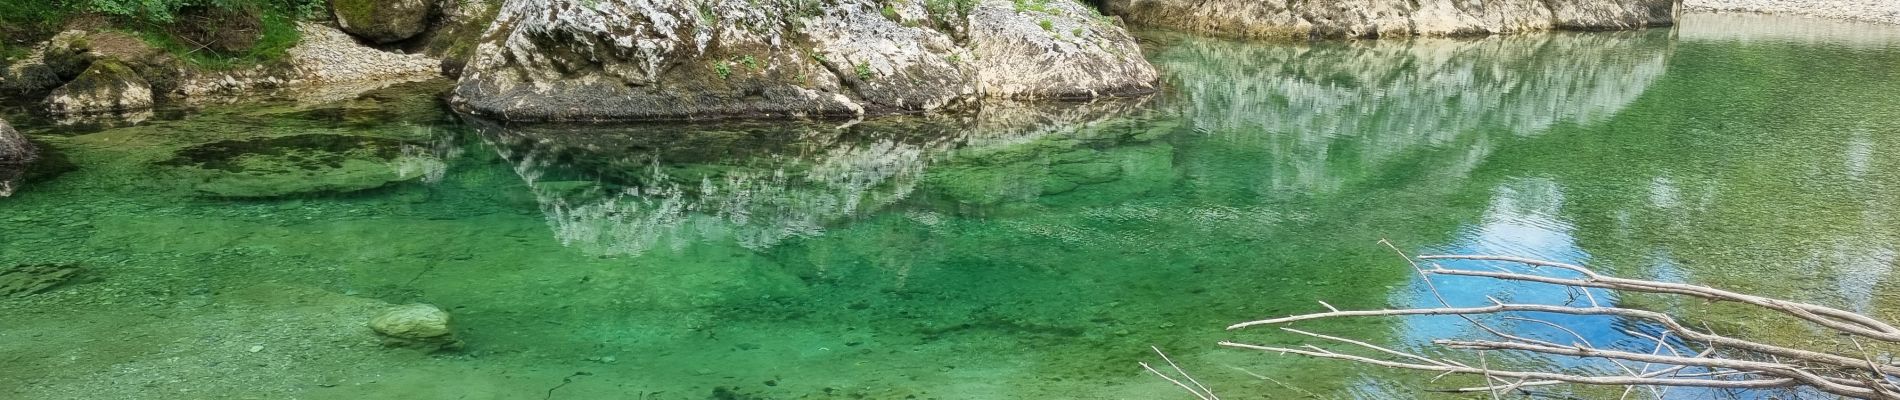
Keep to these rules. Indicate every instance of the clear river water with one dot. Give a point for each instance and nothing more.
(1016, 251)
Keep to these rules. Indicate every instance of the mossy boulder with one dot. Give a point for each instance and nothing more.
(107, 86)
(298, 165)
(47, 65)
(383, 21)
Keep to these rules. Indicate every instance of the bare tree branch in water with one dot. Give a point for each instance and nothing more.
(1198, 390)
(1722, 363)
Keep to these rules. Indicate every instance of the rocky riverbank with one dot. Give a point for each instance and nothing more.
(1368, 19)
(327, 57)
(1883, 11)
(99, 67)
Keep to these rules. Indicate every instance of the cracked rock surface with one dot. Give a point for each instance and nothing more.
(569, 60)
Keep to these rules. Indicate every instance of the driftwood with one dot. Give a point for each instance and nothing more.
(1722, 363)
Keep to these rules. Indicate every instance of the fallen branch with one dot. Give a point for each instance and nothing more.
(1738, 364)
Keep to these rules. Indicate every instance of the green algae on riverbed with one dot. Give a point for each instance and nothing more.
(1021, 252)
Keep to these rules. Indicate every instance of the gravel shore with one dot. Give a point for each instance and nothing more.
(1884, 11)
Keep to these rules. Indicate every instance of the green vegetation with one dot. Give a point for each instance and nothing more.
(807, 8)
(707, 16)
(890, 13)
(723, 68)
(159, 22)
(277, 35)
(949, 7)
(864, 71)
(1047, 25)
(1041, 6)
(949, 13)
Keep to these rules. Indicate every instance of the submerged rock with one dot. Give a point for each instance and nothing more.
(26, 280)
(674, 59)
(1381, 18)
(299, 164)
(382, 21)
(416, 325)
(16, 156)
(107, 86)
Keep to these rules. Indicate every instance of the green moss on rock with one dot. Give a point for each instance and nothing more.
(382, 21)
(108, 85)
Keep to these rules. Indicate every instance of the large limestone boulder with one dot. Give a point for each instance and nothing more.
(383, 21)
(16, 154)
(1381, 18)
(415, 325)
(681, 59)
(1014, 51)
(107, 86)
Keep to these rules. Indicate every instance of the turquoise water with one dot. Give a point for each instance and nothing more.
(1022, 251)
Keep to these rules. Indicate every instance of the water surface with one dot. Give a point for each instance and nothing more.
(1017, 252)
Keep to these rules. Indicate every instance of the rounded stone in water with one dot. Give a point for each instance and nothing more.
(415, 324)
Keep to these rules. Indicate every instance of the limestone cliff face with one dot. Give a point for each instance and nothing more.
(686, 59)
(1383, 18)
